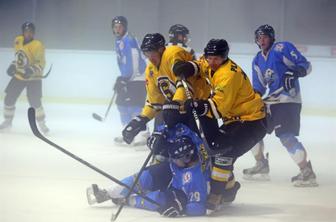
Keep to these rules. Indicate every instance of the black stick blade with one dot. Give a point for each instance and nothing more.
(32, 122)
(97, 117)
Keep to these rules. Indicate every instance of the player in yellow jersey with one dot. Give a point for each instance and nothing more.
(26, 72)
(164, 91)
(235, 102)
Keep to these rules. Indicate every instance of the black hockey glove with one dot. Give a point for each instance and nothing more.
(132, 129)
(289, 80)
(176, 201)
(171, 113)
(11, 69)
(185, 69)
(28, 72)
(158, 143)
(201, 106)
(120, 85)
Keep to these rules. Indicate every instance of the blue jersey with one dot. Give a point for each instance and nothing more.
(268, 71)
(193, 180)
(131, 63)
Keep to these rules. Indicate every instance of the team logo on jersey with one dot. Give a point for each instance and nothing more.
(187, 177)
(166, 87)
(21, 59)
(121, 45)
(279, 47)
(269, 76)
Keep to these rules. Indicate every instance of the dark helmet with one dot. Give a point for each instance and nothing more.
(152, 42)
(28, 26)
(217, 47)
(120, 20)
(264, 30)
(177, 29)
(181, 147)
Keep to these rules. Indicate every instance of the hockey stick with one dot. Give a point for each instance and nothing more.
(36, 132)
(115, 216)
(271, 97)
(198, 122)
(102, 119)
(47, 74)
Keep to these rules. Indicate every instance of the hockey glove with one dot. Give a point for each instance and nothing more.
(28, 72)
(171, 113)
(11, 69)
(120, 85)
(176, 201)
(201, 106)
(132, 129)
(185, 69)
(158, 143)
(289, 80)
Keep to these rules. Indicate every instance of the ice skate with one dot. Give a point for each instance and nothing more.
(6, 125)
(306, 178)
(230, 194)
(45, 130)
(260, 172)
(96, 195)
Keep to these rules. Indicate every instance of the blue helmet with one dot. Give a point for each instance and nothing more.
(264, 30)
(120, 20)
(181, 147)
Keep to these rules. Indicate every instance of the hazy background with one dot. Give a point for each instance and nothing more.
(86, 24)
(79, 41)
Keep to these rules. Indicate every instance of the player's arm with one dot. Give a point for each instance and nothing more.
(294, 60)
(38, 63)
(258, 80)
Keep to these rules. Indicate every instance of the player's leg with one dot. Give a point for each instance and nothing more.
(13, 91)
(234, 140)
(260, 171)
(34, 95)
(155, 177)
(289, 116)
(124, 118)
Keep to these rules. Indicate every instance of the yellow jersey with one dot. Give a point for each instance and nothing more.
(233, 97)
(163, 86)
(30, 54)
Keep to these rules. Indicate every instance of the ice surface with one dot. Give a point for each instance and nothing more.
(39, 183)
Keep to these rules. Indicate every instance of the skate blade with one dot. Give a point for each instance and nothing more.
(90, 196)
(257, 177)
(308, 183)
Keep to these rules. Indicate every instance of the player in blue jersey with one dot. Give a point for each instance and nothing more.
(130, 85)
(179, 185)
(277, 67)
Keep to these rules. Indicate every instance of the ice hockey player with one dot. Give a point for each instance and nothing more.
(26, 72)
(180, 187)
(235, 102)
(130, 85)
(162, 86)
(276, 65)
(178, 36)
